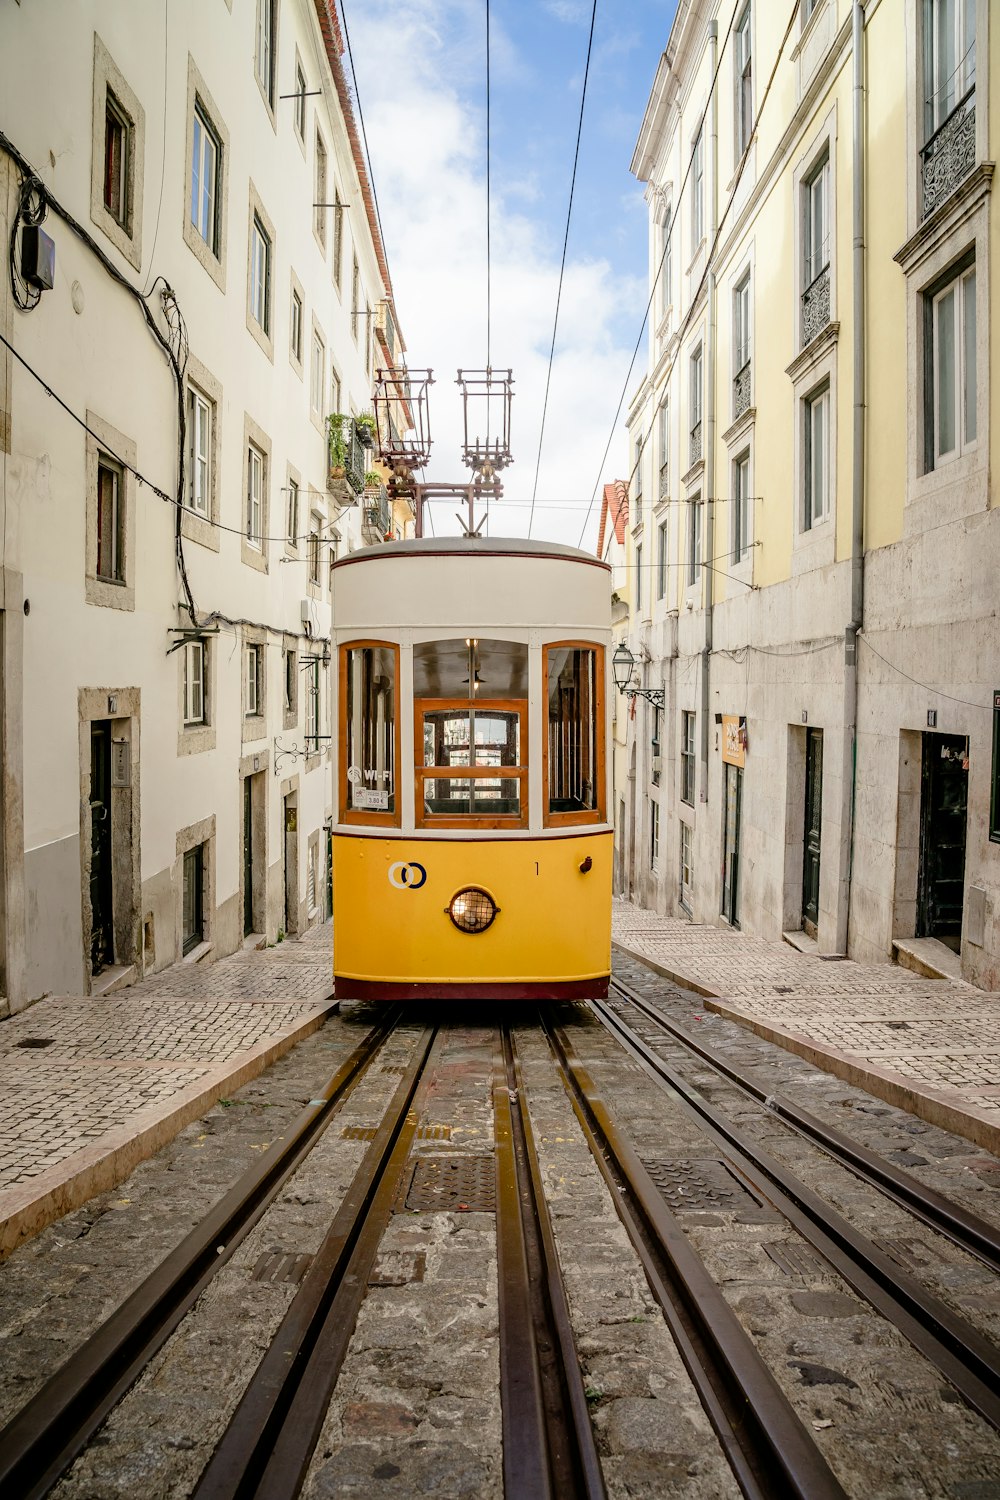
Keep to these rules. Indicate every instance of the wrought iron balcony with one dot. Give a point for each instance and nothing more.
(376, 519)
(664, 481)
(741, 391)
(949, 155)
(346, 454)
(696, 442)
(816, 306)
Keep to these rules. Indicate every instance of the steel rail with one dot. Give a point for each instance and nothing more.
(266, 1448)
(549, 1452)
(970, 1361)
(41, 1441)
(965, 1229)
(767, 1447)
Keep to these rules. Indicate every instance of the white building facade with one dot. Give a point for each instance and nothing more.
(168, 515)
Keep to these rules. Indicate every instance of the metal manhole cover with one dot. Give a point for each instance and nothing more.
(441, 1183)
(694, 1186)
(794, 1259)
(281, 1265)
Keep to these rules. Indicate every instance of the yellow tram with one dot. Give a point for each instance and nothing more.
(472, 847)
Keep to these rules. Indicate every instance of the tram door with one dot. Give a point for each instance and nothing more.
(812, 831)
(944, 792)
(102, 942)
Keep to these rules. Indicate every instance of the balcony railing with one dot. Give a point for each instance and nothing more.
(696, 442)
(816, 306)
(664, 481)
(949, 154)
(376, 517)
(741, 391)
(346, 454)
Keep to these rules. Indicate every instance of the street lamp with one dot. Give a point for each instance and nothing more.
(622, 664)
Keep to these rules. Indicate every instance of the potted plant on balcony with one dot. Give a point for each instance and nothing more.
(336, 435)
(365, 426)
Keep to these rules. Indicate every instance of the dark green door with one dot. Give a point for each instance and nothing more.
(812, 831)
(731, 850)
(248, 926)
(944, 795)
(102, 939)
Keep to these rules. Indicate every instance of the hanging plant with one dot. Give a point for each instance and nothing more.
(336, 434)
(365, 426)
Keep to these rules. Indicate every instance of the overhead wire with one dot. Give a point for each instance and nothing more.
(562, 264)
(489, 266)
(364, 133)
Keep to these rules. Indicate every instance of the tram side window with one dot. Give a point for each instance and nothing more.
(470, 700)
(369, 699)
(573, 693)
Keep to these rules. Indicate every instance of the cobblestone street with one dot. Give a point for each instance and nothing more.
(90, 1087)
(932, 1046)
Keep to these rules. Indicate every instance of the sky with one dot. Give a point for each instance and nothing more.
(421, 76)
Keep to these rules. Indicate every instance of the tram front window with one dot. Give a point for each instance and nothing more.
(369, 693)
(574, 695)
(471, 700)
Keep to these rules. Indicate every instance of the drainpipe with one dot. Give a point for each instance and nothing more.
(857, 483)
(708, 499)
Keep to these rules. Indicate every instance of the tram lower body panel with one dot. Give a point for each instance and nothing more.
(399, 904)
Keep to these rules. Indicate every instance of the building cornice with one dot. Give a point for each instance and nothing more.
(814, 351)
(946, 218)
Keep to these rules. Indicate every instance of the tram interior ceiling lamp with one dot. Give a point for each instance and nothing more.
(38, 258)
(622, 665)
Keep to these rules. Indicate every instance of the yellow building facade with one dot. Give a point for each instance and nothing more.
(812, 546)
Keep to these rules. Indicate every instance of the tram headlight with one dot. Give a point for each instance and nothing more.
(472, 909)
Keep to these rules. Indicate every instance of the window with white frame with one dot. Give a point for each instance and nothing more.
(256, 470)
(666, 259)
(260, 274)
(687, 758)
(694, 541)
(295, 327)
(687, 864)
(317, 374)
(816, 458)
(264, 51)
(654, 835)
(110, 520)
(300, 102)
(198, 493)
(355, 294)
(661, 560)
(338, 238)
(951, 418)
(291, 679)
(637, 473)
(741, 324)
(743, 69)
(663, 443)
(320, 205)
(312, 707)
(697, 371)
(253, 700)
(194, 682)
(293, 513)
(206, 154)
(698, 191)
(741, 507)
(949, 35)
(315, 527)
(638, 577)
(816, 223)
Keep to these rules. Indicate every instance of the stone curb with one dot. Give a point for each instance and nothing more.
(946, 1110)
(27, 1209)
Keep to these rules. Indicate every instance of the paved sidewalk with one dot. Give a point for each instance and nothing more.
(929, 1046)
(91, 1087)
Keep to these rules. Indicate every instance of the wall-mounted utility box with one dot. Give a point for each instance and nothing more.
(38, 258)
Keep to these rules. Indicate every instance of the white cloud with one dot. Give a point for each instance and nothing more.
(427, 144)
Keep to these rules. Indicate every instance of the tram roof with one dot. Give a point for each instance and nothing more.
(477, 546)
